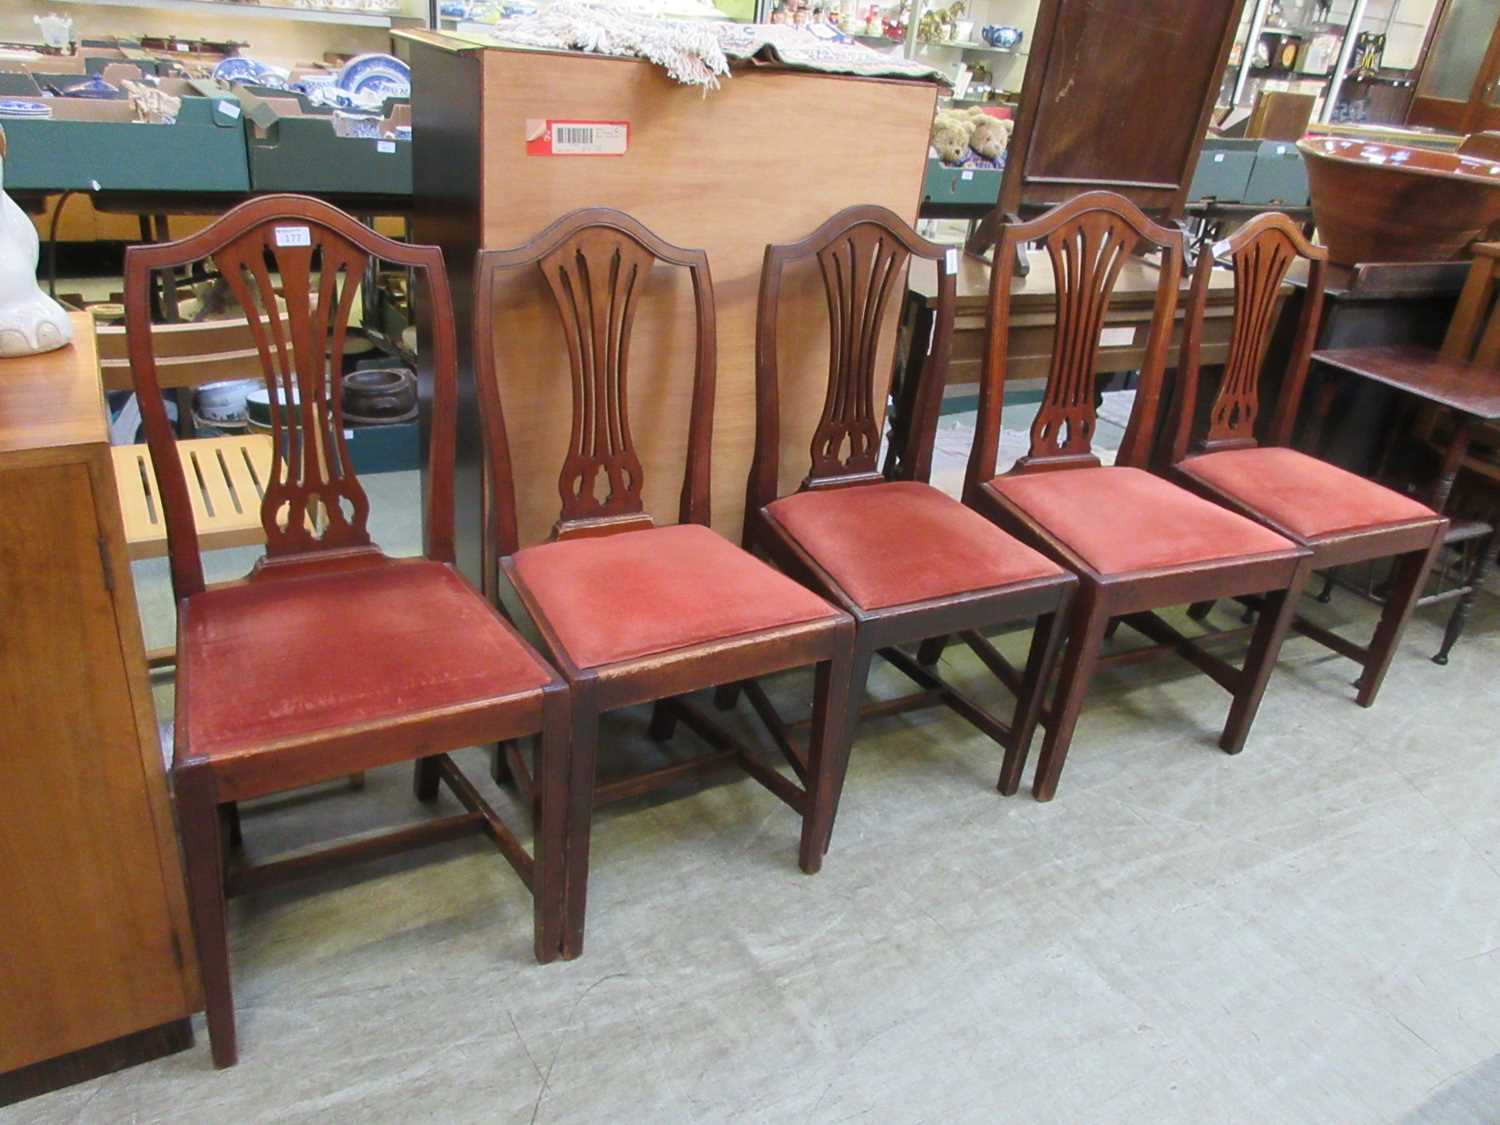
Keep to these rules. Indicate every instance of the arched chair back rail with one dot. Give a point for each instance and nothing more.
(270, 696)
(907, 562)
(594, 264)
(633, 613)
(1340, 517)
(1137, 543)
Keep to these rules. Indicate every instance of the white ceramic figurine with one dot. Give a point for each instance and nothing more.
(30, 321)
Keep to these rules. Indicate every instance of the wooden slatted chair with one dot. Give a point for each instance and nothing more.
(903, 559)
(330, 657)
(1341, 517)
(1137, 542)
(631, 612)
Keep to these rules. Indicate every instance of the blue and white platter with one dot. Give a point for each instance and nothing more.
(376, 76)
(16, 108)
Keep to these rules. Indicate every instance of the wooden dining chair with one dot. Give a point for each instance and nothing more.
(1340, 517)
(330, 657)
(1137, 542)
(903, 559)
(633, 612)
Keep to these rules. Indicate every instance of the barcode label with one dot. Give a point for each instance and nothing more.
(577, 138)
(230, 110)
(950, 260)
(293, 236)
(385, 146)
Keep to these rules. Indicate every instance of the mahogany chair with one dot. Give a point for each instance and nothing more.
(330, 657)
(903, 559)
(1339, 516)
(632, 612)
(1137, 542)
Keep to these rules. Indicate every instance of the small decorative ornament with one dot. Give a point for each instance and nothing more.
(30, 321)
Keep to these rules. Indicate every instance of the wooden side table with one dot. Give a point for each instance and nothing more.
(1472, 394)
(97, 969)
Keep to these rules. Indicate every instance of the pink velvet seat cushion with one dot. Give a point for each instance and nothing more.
(272, 660)
(618, 597)
(1121, 520)
(1308, 497)
(902, 542)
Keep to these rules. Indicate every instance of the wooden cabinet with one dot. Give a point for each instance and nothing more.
(96, 954)
(1458, 86)
(727, 172)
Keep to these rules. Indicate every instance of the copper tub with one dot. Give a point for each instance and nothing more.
(1378, 202)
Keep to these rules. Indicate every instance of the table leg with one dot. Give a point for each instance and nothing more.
(1473, 581)
(1453, 459)
(904, 385)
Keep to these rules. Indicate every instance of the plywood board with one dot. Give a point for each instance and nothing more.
(764, 159)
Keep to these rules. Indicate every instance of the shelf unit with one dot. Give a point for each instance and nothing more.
(265, 11)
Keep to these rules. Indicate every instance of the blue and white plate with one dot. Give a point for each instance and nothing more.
(17, 108)
(237, 68)
(382, 76)
(91, 87)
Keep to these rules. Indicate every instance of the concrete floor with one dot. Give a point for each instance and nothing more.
(1309, 932)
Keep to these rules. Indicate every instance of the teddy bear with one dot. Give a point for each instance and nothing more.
(950, 138)
(990, 136)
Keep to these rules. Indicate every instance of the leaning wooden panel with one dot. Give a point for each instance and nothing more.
(751, 163)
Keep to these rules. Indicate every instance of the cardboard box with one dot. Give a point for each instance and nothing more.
(293, 147)
(96, 145)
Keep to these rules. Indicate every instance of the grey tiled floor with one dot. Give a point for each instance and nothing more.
(1308, 932)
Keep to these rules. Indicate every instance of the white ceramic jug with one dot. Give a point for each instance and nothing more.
(30, 321)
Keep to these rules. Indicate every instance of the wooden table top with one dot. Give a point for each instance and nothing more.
(1136, 284)
(53, 399)
(1425, 373)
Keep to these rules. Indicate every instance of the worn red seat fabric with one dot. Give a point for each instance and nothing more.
(415, 637)
(1308, 497)
(644, 592)
(1121, 520)
(903, 542)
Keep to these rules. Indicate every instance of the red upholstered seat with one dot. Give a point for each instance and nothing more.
(1121, 520)
(1308, 497)
(636, 593)
(903, 542)
(274, 660)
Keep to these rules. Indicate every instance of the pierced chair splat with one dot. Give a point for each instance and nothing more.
(1340, 517)
(906, 561)
(1137, 542)
(330, 657)
(633, 612)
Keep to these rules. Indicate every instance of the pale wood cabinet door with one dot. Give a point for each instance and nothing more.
(87, 946)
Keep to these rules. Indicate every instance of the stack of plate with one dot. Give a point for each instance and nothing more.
(15, 107)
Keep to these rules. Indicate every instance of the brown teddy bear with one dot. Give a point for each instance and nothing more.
(990, 136)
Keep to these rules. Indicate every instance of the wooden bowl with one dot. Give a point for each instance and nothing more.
(1378, 202)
